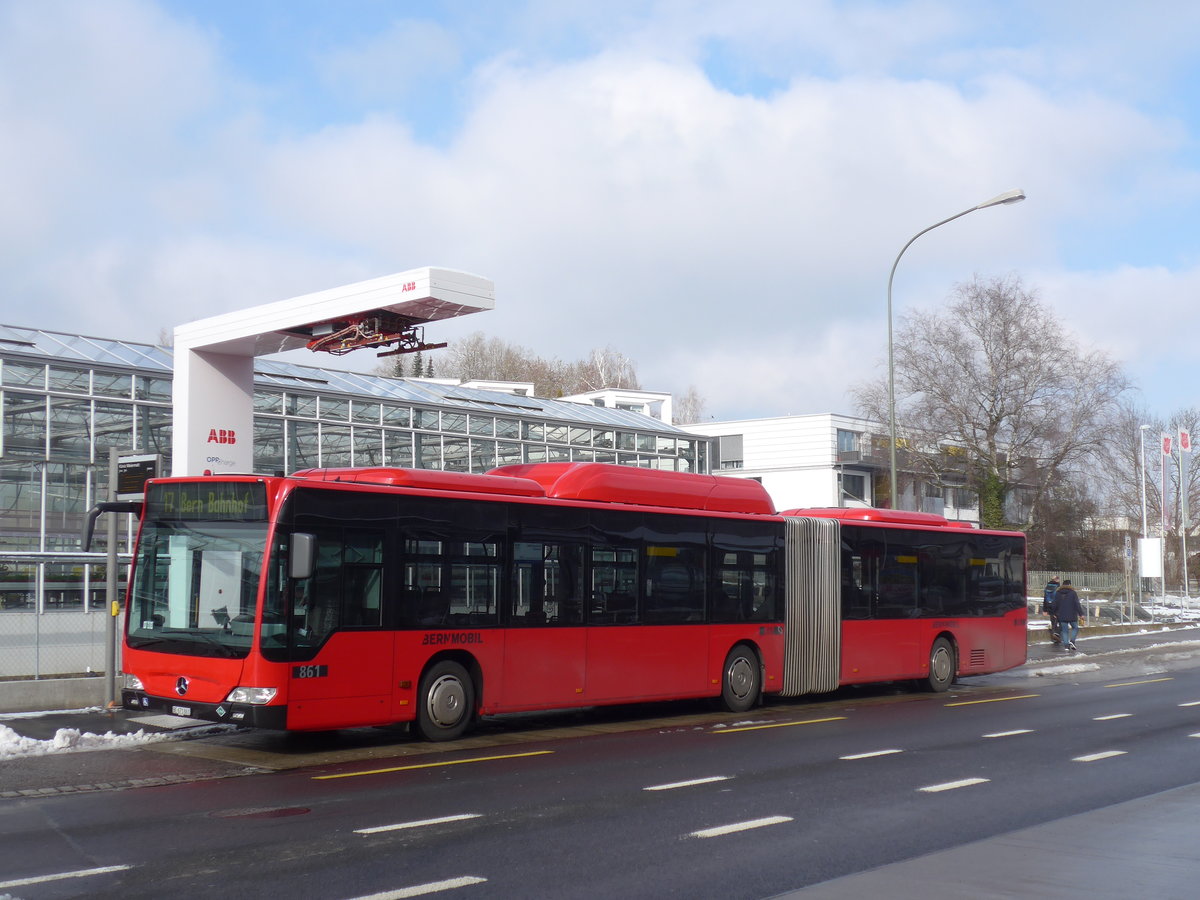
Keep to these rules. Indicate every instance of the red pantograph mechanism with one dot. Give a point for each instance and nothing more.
(374, 329)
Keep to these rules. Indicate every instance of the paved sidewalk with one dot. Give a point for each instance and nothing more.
(1141, 848)
(106, 769)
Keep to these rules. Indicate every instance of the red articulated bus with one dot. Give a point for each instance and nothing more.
(336, 598)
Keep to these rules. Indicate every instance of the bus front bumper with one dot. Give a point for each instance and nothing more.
(246, 714)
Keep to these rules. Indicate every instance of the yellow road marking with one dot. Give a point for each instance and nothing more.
(433, 765)
(1128, 683)
(778, 725)
(993, 700)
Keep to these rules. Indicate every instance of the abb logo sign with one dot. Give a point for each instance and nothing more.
(408, 286)
(221, 436)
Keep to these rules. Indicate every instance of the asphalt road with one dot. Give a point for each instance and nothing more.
(1017, 785)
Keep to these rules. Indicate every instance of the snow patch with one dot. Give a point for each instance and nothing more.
(71, 740)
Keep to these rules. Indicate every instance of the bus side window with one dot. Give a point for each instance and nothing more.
(323, 613)
(346, 586)
(614, 585)
(674, 584)
(363, 562)
(545, 583)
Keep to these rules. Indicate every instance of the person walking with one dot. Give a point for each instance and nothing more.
(1068, 609)
(1048, 608)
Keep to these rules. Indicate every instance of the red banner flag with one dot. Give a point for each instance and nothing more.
(1166, 445)
(1185, 441)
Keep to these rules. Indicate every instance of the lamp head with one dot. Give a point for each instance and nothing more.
(1013, 196)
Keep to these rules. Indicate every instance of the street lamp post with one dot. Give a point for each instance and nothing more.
(1142, 548)
(1014, 196)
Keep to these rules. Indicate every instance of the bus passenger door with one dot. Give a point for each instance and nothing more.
(649, 638)
(545, 648)
(347, 680)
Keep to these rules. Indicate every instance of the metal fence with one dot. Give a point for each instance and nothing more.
(1098, 582)
(52, 643)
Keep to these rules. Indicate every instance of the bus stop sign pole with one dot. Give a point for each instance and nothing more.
(110, 592)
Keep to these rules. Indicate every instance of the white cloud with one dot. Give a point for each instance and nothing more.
(740, 243)
(95, 103)
(397, 61)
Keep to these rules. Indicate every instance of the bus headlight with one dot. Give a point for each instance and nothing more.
(133, 683)
(255, 696)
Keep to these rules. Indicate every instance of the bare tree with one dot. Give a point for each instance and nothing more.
(607, 368)
(1169, 480)
(479, 357)
(993, 389)
(689, 408)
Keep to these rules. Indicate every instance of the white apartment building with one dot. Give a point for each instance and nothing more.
(826, 459)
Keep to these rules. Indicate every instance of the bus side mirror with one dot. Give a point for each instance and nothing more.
(302, 555)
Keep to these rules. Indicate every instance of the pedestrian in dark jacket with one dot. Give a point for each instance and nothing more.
(1048, 608)
(1068, 609)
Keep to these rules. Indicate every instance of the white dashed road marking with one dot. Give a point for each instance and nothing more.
(79, 873)
(869, 755)
(951, 785)
(400, 826)
(683, 784)
(1093, 757)
(740, 826)
(420, 890)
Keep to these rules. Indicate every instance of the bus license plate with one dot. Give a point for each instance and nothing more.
(181, 710)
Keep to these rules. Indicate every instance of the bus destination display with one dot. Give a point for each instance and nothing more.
(208, 500)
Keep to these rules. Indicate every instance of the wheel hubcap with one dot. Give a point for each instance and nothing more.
(446, 702)
(740, 677)
(941, 663)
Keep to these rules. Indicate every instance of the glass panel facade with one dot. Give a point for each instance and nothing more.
(429, 451)
(154, 431)
(301, 405)
(335, 447)
(483, 455)
(20, 504)
(70, 381)
(397, 416)
(368, 446)
(268, 446)
(302, 446)
(112, 384)
(21, 374)
(70, 428)
(149, 388)
(333, 409)
(398, 449)
(24, 425)
(268, 402)
(454, 455)
(366, 412)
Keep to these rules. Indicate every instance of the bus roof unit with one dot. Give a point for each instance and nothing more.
(428, 479)
(883, 516)
(607, 483)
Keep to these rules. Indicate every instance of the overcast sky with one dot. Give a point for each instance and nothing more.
(716, 189)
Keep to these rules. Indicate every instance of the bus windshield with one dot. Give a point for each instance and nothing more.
(196, 580)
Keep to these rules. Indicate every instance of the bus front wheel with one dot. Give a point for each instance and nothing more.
(941, 666)
(446, 702)
(741, 679)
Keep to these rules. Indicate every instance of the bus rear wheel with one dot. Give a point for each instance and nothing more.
(741, 679)
(941, 666)
(447, 702)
